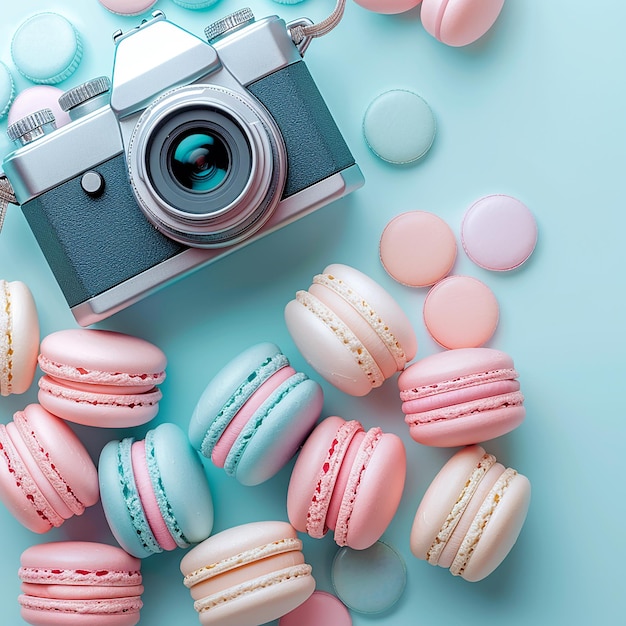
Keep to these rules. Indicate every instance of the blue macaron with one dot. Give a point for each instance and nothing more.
(255, 414)
(154, 492)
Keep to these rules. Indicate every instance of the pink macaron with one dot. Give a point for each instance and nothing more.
(46, 474)
(19, 337)
(350, 330)
(348, 480)
(79, 582)
(471, 515)
(460, 397)
(459, 22)
(100, 377)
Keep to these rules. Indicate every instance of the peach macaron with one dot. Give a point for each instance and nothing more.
(350, 330)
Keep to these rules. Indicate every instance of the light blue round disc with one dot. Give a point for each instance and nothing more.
(399, 126)
(7, 90)
(371, 580)
(196, 4)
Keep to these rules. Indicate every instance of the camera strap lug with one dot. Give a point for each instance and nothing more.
(7, 196)
(303, 31)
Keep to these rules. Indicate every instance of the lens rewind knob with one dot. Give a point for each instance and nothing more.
(85, 92)
(32, 126)
(230, 22)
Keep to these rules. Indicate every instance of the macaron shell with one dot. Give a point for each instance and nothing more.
(267, 602)
(127, 7)
(499, 233)
(102, 357)
(459, 22)
(15, 497)
(99, 563)
(502, 530)
(185, 489)
(324, 352)
(23, 329)
(440, 498)
(381, 302)
(281, 433)
(223, 386)
(379, 493)
(388, 6)
(235, 540)
(46, 48)
(7, 90)
(104, 410)
(62, 449)
(55, 618)
(359, 326)
(114, 503)
(473, 427)
(442, 370)
(306, 472)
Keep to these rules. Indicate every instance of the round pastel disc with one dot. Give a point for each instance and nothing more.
(370, 580)
(417, 248)
(195, 4)
(399, 126)
(388, 6)
(127, 7)
(461, 312)
(7, 90)
(46, 48)
(320, 608)
(499, 232)
(35, 99)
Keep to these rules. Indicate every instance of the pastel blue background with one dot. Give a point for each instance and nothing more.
(536, 110)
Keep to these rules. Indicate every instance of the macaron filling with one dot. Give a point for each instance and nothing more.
(485, 463)
(365, 452)
(238, 399)
(366, 311)
(245, 414)
(316, 519)
(148, 498)
(25, 483)
(6, 339)
(37, 451)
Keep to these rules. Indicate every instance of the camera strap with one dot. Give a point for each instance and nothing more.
(301, 32)
(7, 196)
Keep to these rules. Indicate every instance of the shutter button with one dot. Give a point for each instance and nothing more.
(92, 184)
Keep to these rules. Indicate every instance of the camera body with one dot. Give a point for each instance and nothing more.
(195, 150)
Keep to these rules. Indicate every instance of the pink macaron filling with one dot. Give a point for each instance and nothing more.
(148, 497)
(245, 413)
(317, 522)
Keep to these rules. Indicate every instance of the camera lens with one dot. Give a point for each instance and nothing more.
(207, 165)
(200, 160)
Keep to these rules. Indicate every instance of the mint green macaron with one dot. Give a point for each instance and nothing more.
(195, 4)
(46, 48)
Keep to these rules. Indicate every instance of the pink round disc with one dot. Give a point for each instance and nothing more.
(388, 6)
(127, 7)
(461, 312)
(320, 608)
(498, 232)
(417, 248)
(36, 98)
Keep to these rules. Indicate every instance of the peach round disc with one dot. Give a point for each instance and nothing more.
(461, 312)
(417, 248)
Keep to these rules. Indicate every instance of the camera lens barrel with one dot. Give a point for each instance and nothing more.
(207, 165)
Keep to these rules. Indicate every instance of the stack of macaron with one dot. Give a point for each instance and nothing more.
(79, 582)
(154, 492)
(100, 377)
